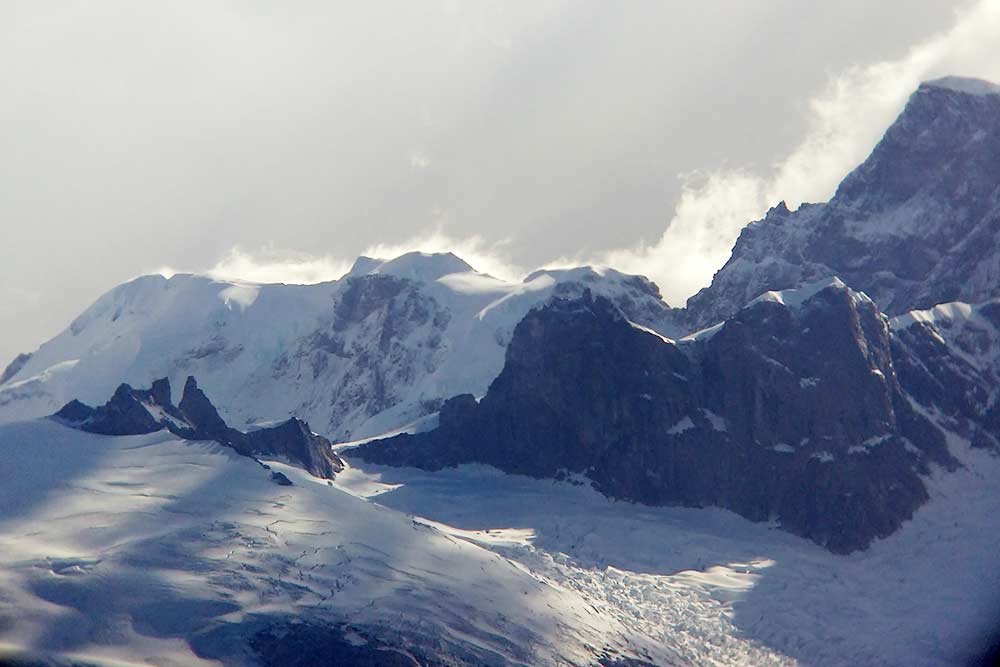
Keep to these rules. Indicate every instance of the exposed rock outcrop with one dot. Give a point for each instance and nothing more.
(791, 411)
(135, 411)
(949, 364)
(915, 225)
(14, 367)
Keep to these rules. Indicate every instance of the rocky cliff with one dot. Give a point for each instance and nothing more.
(791, 410)
(136, 411)
(915, 225)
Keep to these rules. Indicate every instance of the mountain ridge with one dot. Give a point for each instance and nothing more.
(790, 411)
(916, 224)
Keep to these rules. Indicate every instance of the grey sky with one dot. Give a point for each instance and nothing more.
(136, 135)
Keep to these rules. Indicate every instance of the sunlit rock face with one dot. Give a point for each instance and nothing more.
(917, 224)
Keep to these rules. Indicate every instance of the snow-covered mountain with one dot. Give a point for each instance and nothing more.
(866, 428)
(801, 402)
(915, 225)
(373, 351)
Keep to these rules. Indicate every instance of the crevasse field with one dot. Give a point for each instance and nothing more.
(153, 550)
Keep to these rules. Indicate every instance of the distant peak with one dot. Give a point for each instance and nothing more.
(160, 391)
(779, 210)
(966, 85)
(364, 265)
(585, 273)
(797, 296)
(420, 266)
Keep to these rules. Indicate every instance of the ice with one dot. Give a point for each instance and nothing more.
(721, 590)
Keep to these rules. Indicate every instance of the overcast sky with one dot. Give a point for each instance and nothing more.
(277, 141)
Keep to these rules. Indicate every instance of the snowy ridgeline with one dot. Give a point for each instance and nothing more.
(152, 550)
(356, 357)
(156, 550)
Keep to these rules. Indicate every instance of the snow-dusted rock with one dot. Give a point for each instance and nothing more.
(374, 351)
(141, 411)
(949, 364)
(790, 411)
(917, 224)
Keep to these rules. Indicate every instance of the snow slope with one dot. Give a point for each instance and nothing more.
(356, 357)
(157, 551)
(153, 550)
(720, 590)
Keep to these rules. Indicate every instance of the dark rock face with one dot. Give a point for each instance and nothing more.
(917, 224)
(135, 411)
(280, 479)
(293, 439)
(128, 412)
(793, 413)
(949, 364)
(201, 414)
(14, 367)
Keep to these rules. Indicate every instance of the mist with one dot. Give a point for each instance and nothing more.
(277, 143)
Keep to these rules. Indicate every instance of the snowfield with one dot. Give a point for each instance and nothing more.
(153, 550)
(136, 548)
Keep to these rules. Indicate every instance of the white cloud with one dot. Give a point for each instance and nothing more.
(486, 257)
(271, 264)
(275, 265)
(845, 121)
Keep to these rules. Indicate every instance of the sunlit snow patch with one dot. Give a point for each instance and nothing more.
(241, 294)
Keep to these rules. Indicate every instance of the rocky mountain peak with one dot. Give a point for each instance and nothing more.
(790, 410)
(419, 266)
(916, 224)
(200, 412)
(963, 84)
(947, 138)
(137, 411)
